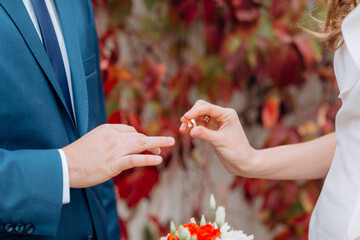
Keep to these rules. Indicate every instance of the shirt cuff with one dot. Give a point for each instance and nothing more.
(66, 184)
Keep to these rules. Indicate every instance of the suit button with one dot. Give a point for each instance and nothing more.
(19, 228)
(29, 228)
(1, 227)
(9, 228)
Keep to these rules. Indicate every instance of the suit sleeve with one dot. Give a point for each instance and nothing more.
(31, 191)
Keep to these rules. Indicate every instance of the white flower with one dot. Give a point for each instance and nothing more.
(184, 233)
(233, 234)
(172, 227)
(220, 216)
(165, 238)
(215, 225)
(202, 221)
(212, 203)
(225, 228)
(192, 220)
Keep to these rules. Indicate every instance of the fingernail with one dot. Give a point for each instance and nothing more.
(182, 126)
(158, 159)
(171, 140)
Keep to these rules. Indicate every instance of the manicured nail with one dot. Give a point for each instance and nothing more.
(158, 159)
(182, 126)
(171, 140)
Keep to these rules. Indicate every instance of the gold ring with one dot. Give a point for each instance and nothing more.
(206, 119)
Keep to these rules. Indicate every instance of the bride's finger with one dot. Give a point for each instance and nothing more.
(204, 121)
(202, 109)
(184, 128)
(206, 134)
(187, 125)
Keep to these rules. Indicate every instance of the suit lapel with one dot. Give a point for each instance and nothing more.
(76, 66)
(17, 12)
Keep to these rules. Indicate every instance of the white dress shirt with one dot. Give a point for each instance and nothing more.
(59, 34)
(337, 212)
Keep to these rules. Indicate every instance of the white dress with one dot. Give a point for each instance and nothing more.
(337, 213)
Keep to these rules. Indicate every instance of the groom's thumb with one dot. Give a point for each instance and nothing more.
(204, 133)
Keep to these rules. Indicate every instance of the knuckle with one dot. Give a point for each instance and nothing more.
(130, 160)
(132, 129)
(200, 102)
(108, 138)
(106, 127)
(149, 159)
(142, 141)
(100, 128)
(231, 111)
(207, 107)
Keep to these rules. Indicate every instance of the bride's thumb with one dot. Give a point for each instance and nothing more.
(204, 133)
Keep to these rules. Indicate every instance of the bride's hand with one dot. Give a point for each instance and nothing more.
(221, 127)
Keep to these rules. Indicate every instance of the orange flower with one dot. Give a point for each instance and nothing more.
(192, 227)
(172, 237)
(207, 232)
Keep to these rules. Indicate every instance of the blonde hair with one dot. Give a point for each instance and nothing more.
(336, 12)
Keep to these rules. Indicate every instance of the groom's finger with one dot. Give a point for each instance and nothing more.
(137, 160)
(138, 143)
(155, 151)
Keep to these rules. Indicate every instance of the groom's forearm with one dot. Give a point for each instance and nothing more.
(308, 160)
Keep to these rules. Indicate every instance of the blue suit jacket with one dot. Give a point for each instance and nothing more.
(34, 123)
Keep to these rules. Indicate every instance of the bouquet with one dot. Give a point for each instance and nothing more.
(217, 229)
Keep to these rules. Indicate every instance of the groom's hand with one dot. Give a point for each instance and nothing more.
(108, 150)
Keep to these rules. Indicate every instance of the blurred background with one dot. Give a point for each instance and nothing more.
(159, 56)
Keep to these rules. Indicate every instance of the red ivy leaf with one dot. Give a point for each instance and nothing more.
(137, 185)
(270, 112)
(154, 75)
(284, 65)
(213, 25)
(306, 49)
(125, 118)
(278, 8)
(282, 31)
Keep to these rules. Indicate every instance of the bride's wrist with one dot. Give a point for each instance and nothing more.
(249, 164)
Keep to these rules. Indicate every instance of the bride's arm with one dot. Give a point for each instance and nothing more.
(309, 160)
